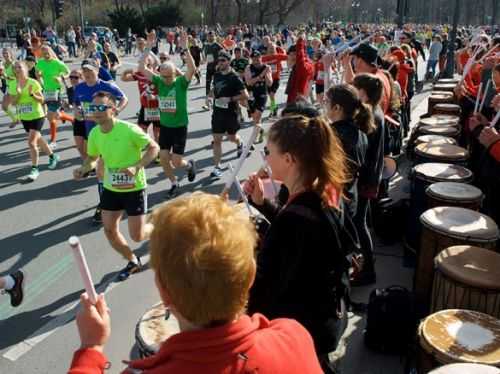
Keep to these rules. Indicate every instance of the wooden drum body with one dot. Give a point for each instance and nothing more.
(439, 97)
(447, 108)
(467, 277)
(449, 87)
(454, 194)
(444, 227)
(422, 176)
(154, 327)
(446, 153)
(458, 336)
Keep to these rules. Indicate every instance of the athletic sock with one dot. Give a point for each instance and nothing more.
(53, 130)
(273, 103)
(135, 260)
(9, 282)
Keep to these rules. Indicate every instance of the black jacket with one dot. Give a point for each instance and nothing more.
(296, 263)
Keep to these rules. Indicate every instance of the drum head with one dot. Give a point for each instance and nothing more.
(466, 369)
(457, 335)
(439, 130)
(447, 81)
(447, 106)
(445, 86)
(460, 223)
(440, 119)
(473, 266)
(442, 152)
(436, 172)
(436, 140)
(153, 329)
(454, 191)
(441, 96)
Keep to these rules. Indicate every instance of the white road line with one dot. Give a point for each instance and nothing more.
(55, 324)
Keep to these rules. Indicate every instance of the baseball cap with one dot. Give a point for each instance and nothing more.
(90, 64)
(367, 53)
(255, 53)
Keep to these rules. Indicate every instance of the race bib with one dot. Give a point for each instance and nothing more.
(152, 114)
(210, 58)
(51, 96)
(25, 109)
(168, 104)
(120, 180)
(221, 104)
(321, 75)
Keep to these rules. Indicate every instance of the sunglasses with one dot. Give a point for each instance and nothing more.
(74, 77)
(266, 151)
(99, 108)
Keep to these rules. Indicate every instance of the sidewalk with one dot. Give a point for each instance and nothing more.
(356, 358)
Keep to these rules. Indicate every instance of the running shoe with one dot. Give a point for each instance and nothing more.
(173, 192)
(260, 137)
(34, 173)
(16, 293)
(216, 173)
(191, 171)
(53, 145)
(130, 269)
(97, 218)
(239, 150)
(53, 160)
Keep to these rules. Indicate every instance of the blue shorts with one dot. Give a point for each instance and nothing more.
(53, 106)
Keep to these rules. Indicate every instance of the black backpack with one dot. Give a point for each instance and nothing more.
(391, 320)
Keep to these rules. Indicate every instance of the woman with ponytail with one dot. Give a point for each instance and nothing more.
(300, 264)
(370, 89)
(352, 121)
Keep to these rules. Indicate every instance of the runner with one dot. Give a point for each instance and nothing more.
(210, 51)
(120, 145)
(172, 97)
(10, 78)
(29, 101)
(114, 61)
(319, 76)
(84, 93)
(195, 50)
(51, 73)
(228, 90)
(79, 134)
(13, 284)
(258, 78)
(274, 59)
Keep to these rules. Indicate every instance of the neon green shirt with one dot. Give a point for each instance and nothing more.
(10, 77)
(172, 101)
(28, 108)
(120, 148)
(50, 71)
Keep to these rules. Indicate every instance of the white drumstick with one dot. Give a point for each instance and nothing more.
(495, 120)
(269, 172)
(83, 267)
(243, 157)
(238, 187)
(485, 93)
(478, 98)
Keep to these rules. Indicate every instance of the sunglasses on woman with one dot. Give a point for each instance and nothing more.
(74, 77)
(99, 108)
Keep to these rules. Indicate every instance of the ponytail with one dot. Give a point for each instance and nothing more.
(364, 119)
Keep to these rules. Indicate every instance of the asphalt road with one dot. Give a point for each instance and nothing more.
(36, 221)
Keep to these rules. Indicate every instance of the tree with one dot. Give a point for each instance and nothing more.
(125, 17)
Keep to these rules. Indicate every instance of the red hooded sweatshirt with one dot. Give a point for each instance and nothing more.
(303, 73)
(249, 346)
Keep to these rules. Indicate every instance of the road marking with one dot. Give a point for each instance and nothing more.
(66, 315)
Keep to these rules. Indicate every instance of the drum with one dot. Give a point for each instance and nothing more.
(450, 87)
(446, 153)
(454, 194)
(466, 369)
(448, 131)
(439, 97)
(435, 140)
(154, 327)
(456, 335)
(440, 119)
(467, 277)
(447, 108)
(421, 177)
(447, 81)
(443, 227)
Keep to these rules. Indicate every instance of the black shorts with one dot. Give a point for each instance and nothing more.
(275, 86)
(225, 122)
(142, 121)
(79, 129)
(258, 103)
(34, 124)
(320, 88)
(135, 203)
(173, 139)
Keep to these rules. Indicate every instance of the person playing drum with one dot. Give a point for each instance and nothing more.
(202, 254)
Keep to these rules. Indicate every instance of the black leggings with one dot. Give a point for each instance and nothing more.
(365, 237)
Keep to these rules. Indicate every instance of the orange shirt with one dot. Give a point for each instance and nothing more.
(385, 103)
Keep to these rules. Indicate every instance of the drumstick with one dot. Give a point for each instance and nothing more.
(242, 159)
(238, 187)
(83, 267)
(495, 120)
(484, 95)
(269, 171)
(478, 98)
